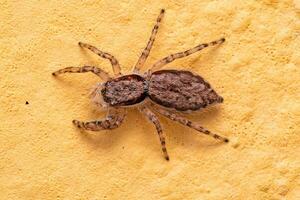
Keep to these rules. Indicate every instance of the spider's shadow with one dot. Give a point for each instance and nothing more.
(175, 133)
(104, 139)
(183, 135)
(109, 139)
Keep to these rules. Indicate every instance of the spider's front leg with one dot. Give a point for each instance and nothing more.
(146, 52)
(153, 118)
(114, 62)
(113, 120)
(99, 72)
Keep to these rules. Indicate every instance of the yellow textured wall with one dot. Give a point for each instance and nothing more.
(43, 156)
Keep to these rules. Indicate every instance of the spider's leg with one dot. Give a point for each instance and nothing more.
(182, 54)
(99, 72)
(153, 118)
(112, 121)
(114, 62)
(145, 53)
(189, 123)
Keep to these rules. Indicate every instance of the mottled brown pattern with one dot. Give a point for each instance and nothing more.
(181, 90)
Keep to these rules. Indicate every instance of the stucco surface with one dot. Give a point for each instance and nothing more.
(43, 156)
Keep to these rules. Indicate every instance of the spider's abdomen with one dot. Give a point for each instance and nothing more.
(125, 90)
(181, 90)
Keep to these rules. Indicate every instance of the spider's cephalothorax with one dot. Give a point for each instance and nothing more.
(167, 90)
(125, 90)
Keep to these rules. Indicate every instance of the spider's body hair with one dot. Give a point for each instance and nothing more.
(175, 89)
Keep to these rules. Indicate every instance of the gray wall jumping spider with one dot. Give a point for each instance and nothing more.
(166, 90)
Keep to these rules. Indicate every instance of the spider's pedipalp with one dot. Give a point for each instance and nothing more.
(182, 54)
(146, 52)
(114, 62)
(153, 118)
(189, 123)
(99, 72)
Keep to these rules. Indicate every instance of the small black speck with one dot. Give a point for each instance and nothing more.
(27, 103)
(122, 147)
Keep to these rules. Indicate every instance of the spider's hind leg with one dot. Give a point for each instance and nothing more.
(189, 123)
(153, 118)
(182, 54)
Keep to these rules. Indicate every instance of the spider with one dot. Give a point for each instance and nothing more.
(163, 91)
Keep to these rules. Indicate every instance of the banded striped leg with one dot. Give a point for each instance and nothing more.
(147, 49)
(114, 62)
(113, 120)
(99, 72)
(190, 124)
(153, 118)
(175, 56)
